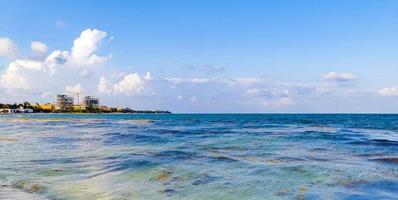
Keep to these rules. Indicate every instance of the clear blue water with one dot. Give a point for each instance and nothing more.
(183, 156)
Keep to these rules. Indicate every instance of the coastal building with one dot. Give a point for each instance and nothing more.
(7, 111)
(78, 108)
(90, 102)
(46, 106)
(107, 109)
(63, 102)
(21, 109)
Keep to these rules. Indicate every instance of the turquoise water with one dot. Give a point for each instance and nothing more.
(123, 156)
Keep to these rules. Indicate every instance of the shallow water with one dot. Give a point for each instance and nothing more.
(123, 156)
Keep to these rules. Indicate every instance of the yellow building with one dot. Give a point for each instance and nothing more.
(78, 108)
(46, 106)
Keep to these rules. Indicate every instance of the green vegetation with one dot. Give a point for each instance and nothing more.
(49, 108)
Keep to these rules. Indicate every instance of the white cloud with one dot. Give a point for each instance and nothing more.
(74, 89)
(86, 45)
(56, 58)
(8, 48)
(177, 81)
(27, 74)
(131, 84)
(389, 91)
(341, 77)
(269, 96)
(38, 48)
(267, 92)
(104, 86)
(243, 81)
(18, 74)
(148, 76)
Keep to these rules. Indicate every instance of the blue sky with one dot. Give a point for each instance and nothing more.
(205, 56)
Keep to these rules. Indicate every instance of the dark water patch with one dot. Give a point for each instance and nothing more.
(226, 148)
(204, 179)
(317, 159)
(170, 133)
(262, 171)
(61, 139)
(68, 140)
(367, 155)
(222, 158)
(290, 159)
(167, 191)
(385, 142)
(390, 160)
(125, 156)
(131, 138)
(53, 161)
(320, 149)
(171, 155)
(129, 165)
(130, 127)
(375, 142)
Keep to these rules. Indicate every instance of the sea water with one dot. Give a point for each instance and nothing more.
(190, 156)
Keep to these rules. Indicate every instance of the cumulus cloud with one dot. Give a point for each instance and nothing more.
(84, 47)
(104, 86)
(389, 91)
(130, 84)
(340, 77)
(8, 48)
(270, 96)
(27, 73)
(38, 48)
(18, 74)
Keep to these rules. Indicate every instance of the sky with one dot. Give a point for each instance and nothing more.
(204, 56)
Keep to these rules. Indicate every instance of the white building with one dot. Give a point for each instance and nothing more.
(24, 110)
(63, 102)
(90, 102)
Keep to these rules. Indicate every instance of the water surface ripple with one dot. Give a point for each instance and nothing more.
(187, 156)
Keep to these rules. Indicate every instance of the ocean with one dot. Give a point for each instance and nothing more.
(198, 156)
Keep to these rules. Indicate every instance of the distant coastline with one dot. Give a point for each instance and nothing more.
(27, 107)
